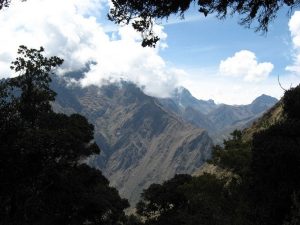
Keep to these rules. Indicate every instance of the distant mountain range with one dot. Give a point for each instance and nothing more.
(146, 140)
(218, 119)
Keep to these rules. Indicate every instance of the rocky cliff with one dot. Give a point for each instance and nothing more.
(141, 142)
(146, 140)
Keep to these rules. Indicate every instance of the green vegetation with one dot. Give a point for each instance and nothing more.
(44, 179)
(259, 183)
(206, 199)
(272, 116)
(275, 165)
(188, 200)
(143, 13)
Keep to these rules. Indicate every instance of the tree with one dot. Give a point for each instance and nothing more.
(294, 217)
(233, 159)
(6, 3)
(259, 183)
(159, 200)
(234, 156)
(187, 200)
(33, 82)
(142, 14)
(44, 179)
(275, 165)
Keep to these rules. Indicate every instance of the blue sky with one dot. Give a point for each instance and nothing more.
(199, 42)
(214, 59)
(204, 42)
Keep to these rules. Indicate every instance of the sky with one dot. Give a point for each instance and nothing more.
(219, 60)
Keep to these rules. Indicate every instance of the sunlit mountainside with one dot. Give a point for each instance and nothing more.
(144, 139)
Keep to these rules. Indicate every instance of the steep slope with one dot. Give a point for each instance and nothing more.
(141, 142)
(227, 118)
(261, 103)
(190, 109)
(270, 117)
(183, 98)
(145, 140)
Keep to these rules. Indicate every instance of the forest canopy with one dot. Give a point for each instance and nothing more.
(44, 179)
(257, 181)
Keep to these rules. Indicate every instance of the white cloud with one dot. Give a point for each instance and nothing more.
(70, 30)
(244, 64)
(294, 26)
(207, 84)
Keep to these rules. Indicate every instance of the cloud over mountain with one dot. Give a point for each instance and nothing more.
(71, 30)
(78, 31)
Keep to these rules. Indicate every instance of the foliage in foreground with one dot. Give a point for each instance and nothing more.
(43, 177)
(206, 199)
(142, 14)
(260, 184)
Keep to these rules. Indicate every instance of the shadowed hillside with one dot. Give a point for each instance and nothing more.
(140, 141)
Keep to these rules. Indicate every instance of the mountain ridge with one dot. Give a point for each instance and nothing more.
(143, 139)
(218, 119)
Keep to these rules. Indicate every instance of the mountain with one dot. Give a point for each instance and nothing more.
(184, 99)
(218, 119)
(190, 109)
(261, 103)
(141, 142)
(270, 117)
(146, 140)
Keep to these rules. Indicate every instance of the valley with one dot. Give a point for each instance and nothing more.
(145, 140)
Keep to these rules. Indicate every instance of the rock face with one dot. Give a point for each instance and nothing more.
(219, 120)
(141, 142)
(144, 140)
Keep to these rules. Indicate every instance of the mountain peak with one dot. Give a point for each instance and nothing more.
(184, 99)
(262, 103)
(182, 91)
(266, 99)
(211, 101)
